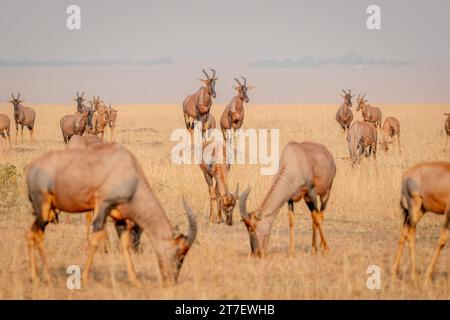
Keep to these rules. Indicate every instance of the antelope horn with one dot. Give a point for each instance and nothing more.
(192, 223)
(206, 74)
(12, 95)
(214, 72)
(245, 80)
(78, 95)
(18, 96)
(343, 90)
(243, 203)
(349, 91)
(237, 80)
(82, 95)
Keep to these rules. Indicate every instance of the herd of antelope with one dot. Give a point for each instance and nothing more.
(105, 179)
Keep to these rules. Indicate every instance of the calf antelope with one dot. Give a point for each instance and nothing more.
(196, 107)
(109, 180)
(391, 129)
(362, 140)
(369, 113)
(24, 116)
(215, 171)
(344, 115)
(112, 120)
(425, 187)
(306, 172)
(233, 115)
(5, 127)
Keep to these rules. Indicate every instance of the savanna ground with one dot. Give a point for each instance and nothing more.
(362, 220)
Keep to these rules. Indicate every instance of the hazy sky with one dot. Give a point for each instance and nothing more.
(293, 51)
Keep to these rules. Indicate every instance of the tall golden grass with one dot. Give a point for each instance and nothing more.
(362, 221)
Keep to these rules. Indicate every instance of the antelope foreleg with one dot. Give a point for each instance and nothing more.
(291, 217)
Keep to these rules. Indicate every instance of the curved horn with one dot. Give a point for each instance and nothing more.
(18, 96)
(192, 223)
(82, 95)
(214, 72)
(343, 90)
(237, 80)
(206, 74)
(78, 95)
(245, 80)
(12, 95)
(243, 203)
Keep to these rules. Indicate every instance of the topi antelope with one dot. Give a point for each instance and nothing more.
(109, 180)
(24, 116)
(425, 188)
(5, 127)
(99, 118)
(369, 113)
(112, 120)
(344, 115)
(306, 172)
(362, 140)
(215, 172)
(81, 107)
(83, 142)
(196, 107)
(391, 129)
(233, 115)
(208, 127)
(447, 126)
(76, 124)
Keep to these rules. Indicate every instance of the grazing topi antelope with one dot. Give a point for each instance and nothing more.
(306, 171)
(109, 180)
(425, 187)
(362, 140)
(391, 129)
(344, 115)
(216, 176)
(24, 116)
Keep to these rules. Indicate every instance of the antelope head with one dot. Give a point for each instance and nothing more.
(79, 99)
(210, 82)
(16, 101)
(242, 89)
(251, 220)
(180, 244)
(228, 202)
(347, 96)
(361, 101)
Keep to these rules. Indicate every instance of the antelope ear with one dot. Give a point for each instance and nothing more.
(215, 79)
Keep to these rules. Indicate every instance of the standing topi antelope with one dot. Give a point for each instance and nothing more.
(362, 140)
(196, 107)
(425, 188)
(391, 129)
(215, 171)
(77, 123)
(99, 118)
(5, 127)
(306, 171)
(233, 115)
(24, 116)
(108, 179)
(369, 113)
(112, 120)
(344, 115)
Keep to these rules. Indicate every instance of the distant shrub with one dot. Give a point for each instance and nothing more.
(8, 176)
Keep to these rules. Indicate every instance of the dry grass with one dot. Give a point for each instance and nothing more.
(362, 219)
